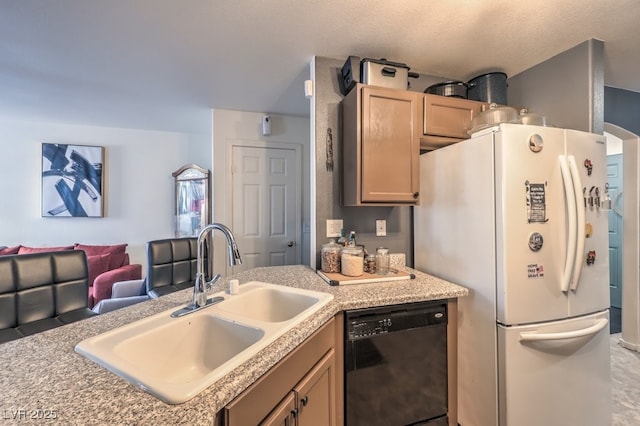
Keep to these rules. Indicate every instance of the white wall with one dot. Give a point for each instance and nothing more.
(630, 234)
(614, 144)
(230, 126)
(138, 184)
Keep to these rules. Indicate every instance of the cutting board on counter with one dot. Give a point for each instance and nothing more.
(339, 279)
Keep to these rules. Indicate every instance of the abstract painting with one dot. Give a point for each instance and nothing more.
(72, 179)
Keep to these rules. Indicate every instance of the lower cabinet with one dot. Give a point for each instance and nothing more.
(284, 414)
(312, 402)
(315, 394)
(301, 389)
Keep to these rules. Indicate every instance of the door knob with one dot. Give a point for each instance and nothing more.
(290, 243)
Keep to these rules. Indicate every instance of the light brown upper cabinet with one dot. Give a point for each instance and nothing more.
(381, 146)
(446, 120)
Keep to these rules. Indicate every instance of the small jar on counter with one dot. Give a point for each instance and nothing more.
(370, 263)
(330, 257)
(352, 260)
(382, 261)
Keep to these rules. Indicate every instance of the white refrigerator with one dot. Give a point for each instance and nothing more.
(515, 214)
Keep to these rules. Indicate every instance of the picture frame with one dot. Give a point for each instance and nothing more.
(72, 180)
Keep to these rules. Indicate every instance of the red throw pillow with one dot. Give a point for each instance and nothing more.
(9, 250)
(116, 260)
(98, 264)
(25, 249)
(117, 252)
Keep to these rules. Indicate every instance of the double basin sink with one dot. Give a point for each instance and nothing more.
(177, 358)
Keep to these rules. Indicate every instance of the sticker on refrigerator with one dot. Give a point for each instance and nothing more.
(536, 202)
(535, 270)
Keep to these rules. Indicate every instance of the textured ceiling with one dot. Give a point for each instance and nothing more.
(162, 64)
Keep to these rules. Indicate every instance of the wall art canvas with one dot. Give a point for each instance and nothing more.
(72, 177)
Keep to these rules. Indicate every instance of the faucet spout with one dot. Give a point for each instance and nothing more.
(201, 285)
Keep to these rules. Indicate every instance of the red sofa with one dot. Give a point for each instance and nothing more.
(107, 265)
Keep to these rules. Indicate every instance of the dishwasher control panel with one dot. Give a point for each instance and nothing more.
(359, 329)
(371, 322)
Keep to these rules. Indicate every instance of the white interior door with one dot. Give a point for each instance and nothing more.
(266, 217)
(614, 179)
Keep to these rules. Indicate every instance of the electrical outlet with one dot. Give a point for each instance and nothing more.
(333, 228)
(381, 228)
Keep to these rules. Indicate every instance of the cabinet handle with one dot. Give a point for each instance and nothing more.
(294, 413)
(416, 195)
(305, 401)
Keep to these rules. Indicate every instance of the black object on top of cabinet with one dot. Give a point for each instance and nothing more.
(456, 89)
(490, 87)
(349, 74)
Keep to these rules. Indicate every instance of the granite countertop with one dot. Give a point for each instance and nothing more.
(44, 380)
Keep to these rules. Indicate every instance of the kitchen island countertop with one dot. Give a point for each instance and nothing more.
(43, 380)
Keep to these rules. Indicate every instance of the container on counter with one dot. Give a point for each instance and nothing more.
(370, 263)
(382, 261)
(330, 257)
(352, 261)
(352, 239)
(343, 239)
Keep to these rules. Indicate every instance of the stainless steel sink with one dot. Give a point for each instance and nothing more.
(177, 358)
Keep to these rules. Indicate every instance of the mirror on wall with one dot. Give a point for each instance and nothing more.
(192, 211)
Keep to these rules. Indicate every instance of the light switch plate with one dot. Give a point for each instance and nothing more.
(381, 228)
(333, 228)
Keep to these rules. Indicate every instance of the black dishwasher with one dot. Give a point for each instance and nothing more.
(396, 365)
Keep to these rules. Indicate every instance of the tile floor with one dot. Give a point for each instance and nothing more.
(625, 384)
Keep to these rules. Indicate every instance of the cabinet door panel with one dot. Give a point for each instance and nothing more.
(316, 394)
(283, 414)
(390, 146)
(447, 116)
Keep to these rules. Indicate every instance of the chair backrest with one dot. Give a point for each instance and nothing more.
(171, 265)
(39, 286)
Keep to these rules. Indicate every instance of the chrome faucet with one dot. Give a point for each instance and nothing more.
(201, 286)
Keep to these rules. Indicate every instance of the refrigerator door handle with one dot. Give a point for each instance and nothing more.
(570, 202)
(532, 336)
(577, 191)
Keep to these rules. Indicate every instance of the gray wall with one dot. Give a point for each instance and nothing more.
(568, 88)
(622, 108)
